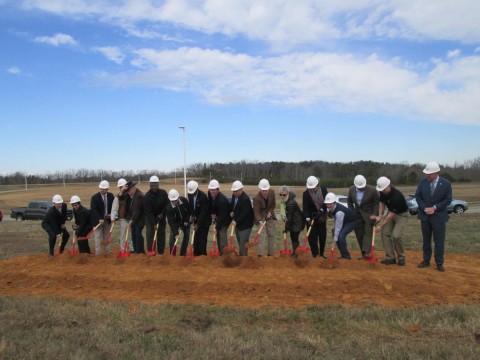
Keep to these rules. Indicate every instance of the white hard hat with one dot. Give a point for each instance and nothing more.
(312, 182)
(192, 186)
(360, 181)
(57, 199)
(173, 195)
(214, 184)
(432, 167)
(75, 199)
(237, 185)
(154, 179)
(121, 182)
(264, 184)
(330, 198)
(382, 183)
(104, 184)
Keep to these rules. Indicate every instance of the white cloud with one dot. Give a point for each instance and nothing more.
(14, 70)
(448, 93)
(290, 21)
(112, 53)
(454, 53)
(56, 40)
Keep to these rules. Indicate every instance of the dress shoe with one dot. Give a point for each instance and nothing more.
(388, 261)
(323, 256)
(441, 268)
(423, 264)
(345, 257)
(401, 262)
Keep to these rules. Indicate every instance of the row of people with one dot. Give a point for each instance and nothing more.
(382, 209)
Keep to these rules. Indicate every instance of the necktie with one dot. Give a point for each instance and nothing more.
(432, 187)
(105, 204)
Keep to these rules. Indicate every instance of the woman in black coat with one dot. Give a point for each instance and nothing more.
(291, 213)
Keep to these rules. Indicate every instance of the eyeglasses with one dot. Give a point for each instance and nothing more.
(283, 195)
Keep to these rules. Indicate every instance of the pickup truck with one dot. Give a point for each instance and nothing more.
(36, 210)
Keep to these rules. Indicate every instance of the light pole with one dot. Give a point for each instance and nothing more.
(184, 161)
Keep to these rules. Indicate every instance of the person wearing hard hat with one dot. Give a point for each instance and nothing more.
(292, 215)
(315, 213)
(178, 216)
(433, 195)
(201, 217)
(101, 207)
(393, 224)
(82, 224)
(264, 211)
(155, 202)
(119, 214)
(242, 215)
(54, 224)
(363, 200)
(344, 220)
(136, 217)
(220, 211)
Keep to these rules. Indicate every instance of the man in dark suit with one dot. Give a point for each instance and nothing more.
(433, 195)
(101, 207)
(136, 217)
(242, 216)
(363, 199)
(54, 224)
(220, 210)
(201, 217)
(155, 204)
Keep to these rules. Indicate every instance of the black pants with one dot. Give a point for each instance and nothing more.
(137, 238)
(184, 246)
(294, 238)
(83, 247)
(318, 236)
(200, 241)
(52, 240)
(161, 235)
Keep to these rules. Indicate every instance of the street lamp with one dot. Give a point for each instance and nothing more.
(184, 161)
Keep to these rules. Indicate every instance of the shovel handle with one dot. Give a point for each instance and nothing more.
(310, 228)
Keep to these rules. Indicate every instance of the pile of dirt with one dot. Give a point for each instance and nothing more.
(243, 281)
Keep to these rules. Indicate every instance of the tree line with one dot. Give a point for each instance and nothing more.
(332, 174)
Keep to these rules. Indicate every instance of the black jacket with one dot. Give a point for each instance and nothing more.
(295, 221)
(97, 207)
(54, 219)
(179, 215)
(309, 208)
(83, 220)
(155, 204)
(220, 206)
(243, 212)
(201, 211)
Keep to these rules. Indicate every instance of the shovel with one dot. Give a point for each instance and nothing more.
(175, 245)
(285, 251)
(92, 231)
(215, 251)
(190, 254)
(372, 257)
(256, 237)
(125, 252)
(108, 240)
(73, 251)
(230, 248)
(152, 251)
(304, 247)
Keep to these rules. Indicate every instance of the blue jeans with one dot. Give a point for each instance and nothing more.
(137, 238)
(342, 238)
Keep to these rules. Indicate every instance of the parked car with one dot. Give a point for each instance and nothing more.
(456, 206)
(342, 199)
(36, 210)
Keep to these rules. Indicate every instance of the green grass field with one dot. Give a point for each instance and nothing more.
(47, 328)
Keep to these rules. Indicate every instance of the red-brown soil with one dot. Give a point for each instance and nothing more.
(244, 282)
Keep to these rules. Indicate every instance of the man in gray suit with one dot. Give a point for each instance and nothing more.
(433, 195)
(363, 199)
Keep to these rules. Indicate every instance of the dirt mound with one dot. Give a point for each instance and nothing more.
(243, 281)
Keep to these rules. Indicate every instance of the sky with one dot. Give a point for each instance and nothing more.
(102, 84)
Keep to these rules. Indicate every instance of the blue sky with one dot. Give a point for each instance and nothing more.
(102, 84)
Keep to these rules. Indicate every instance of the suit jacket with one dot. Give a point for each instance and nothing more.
(155, 204)
(259, 208)
(179, 215)
(369, 204)
(310, 210)
(54, 219)
(220, 206)
(441, 198)
(135, 208)
(243, 212)
(97, 207)
(83, 220)
(200, 209)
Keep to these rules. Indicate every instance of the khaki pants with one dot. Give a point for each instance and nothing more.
(269, 233)
(100, 235)
(392, 236)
